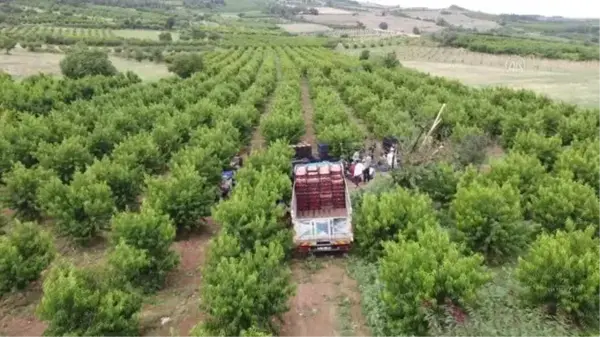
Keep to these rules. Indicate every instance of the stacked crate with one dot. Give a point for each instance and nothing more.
(325, 187)
(301, 176)
(337, 186)
(313, 187)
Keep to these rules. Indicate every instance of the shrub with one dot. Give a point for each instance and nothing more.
(80, 302)
(384, 217)
(383, 25)
(82, 62)
(364, 55)
(82, 209)
(184, 196)
(438, 180)
(186, 64)
(25, 251)
(149, 234)
(557, 200)
(424, 273)
(416, 31)
(561, 272)
(488, 219)
(22, 185)
(264, 280)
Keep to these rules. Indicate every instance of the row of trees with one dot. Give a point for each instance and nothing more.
(285, 120)
(40, 94)
(332, 122)
(444, 226)
(249, 255)
(194, 142)
(496, 44)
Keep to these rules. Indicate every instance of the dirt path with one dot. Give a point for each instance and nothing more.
(258, 141)
(309, 136)
(174, 310)
(327, 301)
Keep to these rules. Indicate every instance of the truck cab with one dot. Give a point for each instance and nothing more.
(321, 211)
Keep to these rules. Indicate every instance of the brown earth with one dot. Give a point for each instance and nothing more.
(178, 301)
(327, 300)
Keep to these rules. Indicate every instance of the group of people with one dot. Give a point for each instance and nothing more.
(361, 169)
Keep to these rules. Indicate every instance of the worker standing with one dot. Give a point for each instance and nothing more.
(367, 169)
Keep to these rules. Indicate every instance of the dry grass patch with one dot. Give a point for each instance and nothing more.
(21, 63)
(574, 82)
(299, 28)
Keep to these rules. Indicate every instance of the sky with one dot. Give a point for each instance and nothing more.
(565, 8)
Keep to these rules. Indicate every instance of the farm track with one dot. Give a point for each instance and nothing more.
(307, 107)
(327, 300)
(258, 141)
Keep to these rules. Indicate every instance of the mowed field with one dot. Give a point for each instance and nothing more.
(298, 28)
(573, 82)
(372, 21)
(21, 63)
(455, 18)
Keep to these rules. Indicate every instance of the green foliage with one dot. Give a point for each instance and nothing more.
(83, 62)
(489, 220)
(80, 302)
(426, 273)
(165, 36)
(561, 272)
(80, 210)
(185, 65)
(278, 156)
(583, 160)
(125, 182)
(364, 55)
(65, 158)
(222, 141)
(251, 213)
(263, 281)
(522, 171)
(546, 149)
(492, 44)
(25, 251)
(8, 43)
(438, 180)
(150, 234)
(499, 313)
(557, 200)
(22, 185)
(390, 60)
(139, 150)
(385, 217)
(183, 195)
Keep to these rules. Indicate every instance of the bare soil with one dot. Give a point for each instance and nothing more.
(258, 141)
(178, 301)
(327, 300)
(307, 107)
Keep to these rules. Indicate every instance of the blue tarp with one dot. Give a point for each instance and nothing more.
(227, 175)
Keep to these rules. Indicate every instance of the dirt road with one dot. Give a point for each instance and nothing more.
(327, 301)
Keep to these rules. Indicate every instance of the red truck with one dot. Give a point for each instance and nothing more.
(321, 211)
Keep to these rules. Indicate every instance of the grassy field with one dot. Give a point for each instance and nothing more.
(21, 63)
(573, 82)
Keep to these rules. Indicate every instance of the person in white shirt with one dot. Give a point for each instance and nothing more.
(358, 172)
